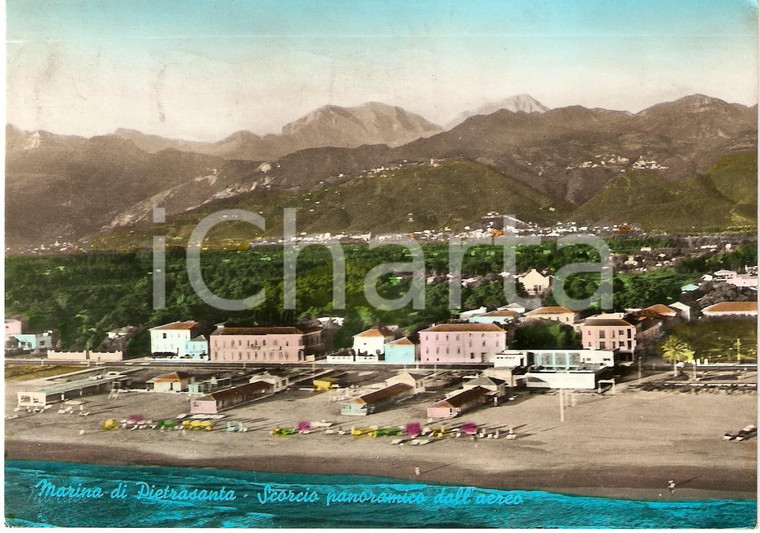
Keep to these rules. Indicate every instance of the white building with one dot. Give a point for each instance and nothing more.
(723, 275)
(372, 341)
(564, 359)
(534, 282)
(555, 369)
(172, 338)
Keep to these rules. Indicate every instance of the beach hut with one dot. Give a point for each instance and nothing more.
(228, 398)
(415, 380)
(172, 382)
(376, 401)
(461, 402)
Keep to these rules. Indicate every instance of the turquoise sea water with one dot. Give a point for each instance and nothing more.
(37, 493)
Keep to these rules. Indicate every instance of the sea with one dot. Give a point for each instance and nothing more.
(43, 493)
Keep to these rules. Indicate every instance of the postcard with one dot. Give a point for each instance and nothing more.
(386, 264)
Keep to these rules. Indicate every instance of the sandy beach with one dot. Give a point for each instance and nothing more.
(626, 445)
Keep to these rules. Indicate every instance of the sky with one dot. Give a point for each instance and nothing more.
(203, 69)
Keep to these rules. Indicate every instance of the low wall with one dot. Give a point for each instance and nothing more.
(53, 355)
(66, 356)
(106, 356)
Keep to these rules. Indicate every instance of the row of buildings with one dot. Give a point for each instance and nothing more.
(477, 340)
(186, 339)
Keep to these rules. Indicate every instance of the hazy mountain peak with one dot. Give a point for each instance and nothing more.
(519, 103)
(369, 123)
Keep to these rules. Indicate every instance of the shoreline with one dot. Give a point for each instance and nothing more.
(628, 482)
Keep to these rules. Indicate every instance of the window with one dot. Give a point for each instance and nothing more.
(164, 335)
(601, 334)
(602, 345)
(472, 356)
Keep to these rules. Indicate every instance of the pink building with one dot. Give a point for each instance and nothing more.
(461, 343)
(608, 334)
(13, 326)
(259, 344)
(743, 280)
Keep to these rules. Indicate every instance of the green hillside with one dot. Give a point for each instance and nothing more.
(725, 198)
(453, 195)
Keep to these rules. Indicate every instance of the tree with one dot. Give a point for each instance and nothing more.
(676, 351)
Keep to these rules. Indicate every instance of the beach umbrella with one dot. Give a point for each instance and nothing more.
(470, 428)
(413, 429)
(135, 419)
(304, 426)
(110, 424)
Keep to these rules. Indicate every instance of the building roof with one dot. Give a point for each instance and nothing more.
(549, 310)
(606, 322)
(234, 391)
(190, 324)
(503, 312)
(416, 376)
(462, 328)
(172, 377)
(258, 331)
(404, 341)
(533, 274)
(382, 394)
(458, 400)
(662, 309)
(375, 332)
(486, 381)
(732, 307)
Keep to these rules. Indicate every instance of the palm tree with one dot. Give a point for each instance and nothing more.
(676, 351)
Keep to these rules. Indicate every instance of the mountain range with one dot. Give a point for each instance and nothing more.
(342, 127)
(581, 162)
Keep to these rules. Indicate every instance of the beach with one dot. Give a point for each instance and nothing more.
(626, 445)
